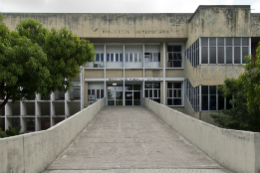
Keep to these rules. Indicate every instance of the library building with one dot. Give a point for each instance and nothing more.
(176, 59)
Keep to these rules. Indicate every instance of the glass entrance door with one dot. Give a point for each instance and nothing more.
(133, 95)
(115, 95)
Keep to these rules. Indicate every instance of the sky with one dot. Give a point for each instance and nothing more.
(116, 6)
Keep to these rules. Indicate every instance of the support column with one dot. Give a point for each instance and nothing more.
(67, 108)
(23, 121)
(105, 74)
(123, 74)
(143, 87)
(52, 109)
(37, 112)
(8, 112)
(82, 89)
(164, 59)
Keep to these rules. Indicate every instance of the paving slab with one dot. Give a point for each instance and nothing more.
(132, 140)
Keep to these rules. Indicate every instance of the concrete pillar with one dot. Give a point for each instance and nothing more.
(164, 66)
(66, 106)
(8, 112)
(23, 121)
(105, 72)
(37, 112)
(123, 74)
(81, 90)
(52, 109)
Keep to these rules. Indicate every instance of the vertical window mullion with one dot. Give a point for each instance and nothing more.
(208, 99)
(216, 50)
(233, 51)
(225, 50)
(208, 51)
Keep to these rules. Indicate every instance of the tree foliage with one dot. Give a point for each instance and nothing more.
(11, 131)
(245, 115)
(34, 59)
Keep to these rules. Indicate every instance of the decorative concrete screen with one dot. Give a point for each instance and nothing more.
(236, 150)
(34, 152)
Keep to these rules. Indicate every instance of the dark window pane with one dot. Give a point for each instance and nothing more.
(170, 48)
(228, 105)
(204, 54)
(155, 93)
(204, 42)
(156, 85)
(174, 93)
(170, 93)
(128, 103)
(137, 87)
(119, 102)
(137, 102)
(97, 57)
(220, 55)
(137, 95)
(177, 64)
(98, 95)
(236, 41)
(102, 93)
(212, 90)
(93, 92)
(213, 102)
(177, 101)
(204, 89)
(220, 41)
(126, 57)
(117, 58)
(245, 41)
(178, 56)
(229, 55)
(169, 85)
(179, 93)
(237, 55)
(212, 41)
(177, 48)
(119, 95)
(221, 102)
(108, 56)
(150, 93)
(228, 41)
(244, 53)
(131, 57)
(170, 102)
(89, 91)
(112, 57)
(102, 57)
(205, 105)
(146, 93)
(212, 55)
(121, 57)
(177, 85)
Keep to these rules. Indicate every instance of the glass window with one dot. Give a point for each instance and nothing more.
(112, 57)
(212, 41)
(97, 57)
(126, 57)
(221, 101)
(229, 55)
(220, 55)
(131, 57)
(101, 57)
(176, 48)
(108, 57)
(204, 55)
(117, 57)
(228, 41)
(204, 42)
(220, 41)
(237, 57)
(245, 41)
(121, 57)
(244, 53)
(237, 41)
(212, 55)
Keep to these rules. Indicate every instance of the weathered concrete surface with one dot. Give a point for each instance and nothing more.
(131, 139)
(234, 149)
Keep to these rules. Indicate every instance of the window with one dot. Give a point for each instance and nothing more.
(174, 56)
(133, 57)
(152, 57)
(99, 57)
(152, 91)
(174, 93)
(192, 53)
(223, 50)
(192, 94)
(213, 100)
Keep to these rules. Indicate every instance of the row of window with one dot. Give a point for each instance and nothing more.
(174, 56)
(129, 57)
(95, 94)
(229, 50)
(193, 96)
(152, 91)
(174, 91)
(192, 53)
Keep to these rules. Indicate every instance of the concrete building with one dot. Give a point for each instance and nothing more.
(176, 59)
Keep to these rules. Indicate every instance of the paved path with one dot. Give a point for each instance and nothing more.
(131, 140)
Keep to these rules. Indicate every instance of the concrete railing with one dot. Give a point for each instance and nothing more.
(34, 152)
(236, 150)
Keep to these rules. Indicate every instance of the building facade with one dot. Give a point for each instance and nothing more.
(175, 59)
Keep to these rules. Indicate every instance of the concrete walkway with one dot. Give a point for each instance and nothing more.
(131, 140)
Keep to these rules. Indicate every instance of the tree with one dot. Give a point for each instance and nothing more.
(53, 59)
(21, 66)
(245, 93)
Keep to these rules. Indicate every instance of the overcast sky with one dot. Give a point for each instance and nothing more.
(117, 6)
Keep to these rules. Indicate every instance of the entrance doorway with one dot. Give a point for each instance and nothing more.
(132, 95)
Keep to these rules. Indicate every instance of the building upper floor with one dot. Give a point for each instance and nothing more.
(206, 21)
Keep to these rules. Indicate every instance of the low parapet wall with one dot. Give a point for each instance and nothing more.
(34, 152)
(236, 150)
